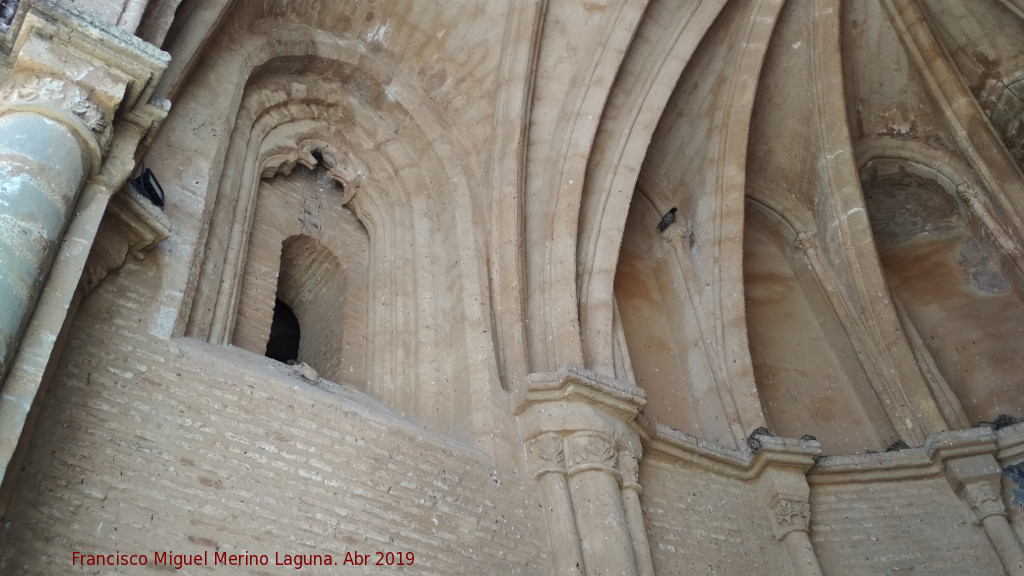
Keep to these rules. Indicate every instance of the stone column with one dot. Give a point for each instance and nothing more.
(63, 153)
(790, 522)
(547, 461)
(576, 426)
(600, 515)
(987, 506)
(56, 114)
(629, 466)
(977, 480)
(50, 134)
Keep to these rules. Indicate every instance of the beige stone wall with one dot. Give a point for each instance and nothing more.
(519, 373)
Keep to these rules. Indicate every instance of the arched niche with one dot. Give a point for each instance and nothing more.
(309, 251)
(403, 180)
(808, 375)
(953, 283)
(659, 319)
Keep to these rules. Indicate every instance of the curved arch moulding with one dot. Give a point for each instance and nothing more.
(377, 140)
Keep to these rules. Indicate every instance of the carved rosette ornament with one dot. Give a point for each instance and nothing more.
(28, 90)
(591, 451)
(790, 515)
(984, 500)
(966, 192)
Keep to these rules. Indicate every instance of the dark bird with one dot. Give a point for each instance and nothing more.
(754, 440)
(667, 219)
(1001, 421)
(898, 445)
(145, 184)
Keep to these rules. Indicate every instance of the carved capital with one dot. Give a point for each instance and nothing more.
(790, 515)
(984, 499)
(80, 73)
(629, 468)
(546, 453)
(590, 451)
(27, 90)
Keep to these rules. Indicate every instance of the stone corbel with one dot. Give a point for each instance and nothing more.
(585, 456)
(132, 225)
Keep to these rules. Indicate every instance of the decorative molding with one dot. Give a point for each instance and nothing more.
(131, 67)
(620, 399)
(341, 166)
(75, 70)
(516, 72)
(966, 192)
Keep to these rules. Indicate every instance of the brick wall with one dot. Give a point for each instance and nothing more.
(150, 445)
(703, 523)
(896, 528)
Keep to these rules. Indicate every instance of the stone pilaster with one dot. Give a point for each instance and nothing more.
(585, 457)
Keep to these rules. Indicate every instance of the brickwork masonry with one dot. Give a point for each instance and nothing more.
(147, 446)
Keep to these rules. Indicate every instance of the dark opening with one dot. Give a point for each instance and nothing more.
(283, 344)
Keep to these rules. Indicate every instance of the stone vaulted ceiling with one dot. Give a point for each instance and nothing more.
(457, 203)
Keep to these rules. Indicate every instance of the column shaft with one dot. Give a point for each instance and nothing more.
(801, 553)
(638, 532)
(565, 542)
(1005, 542)
(601, 519)
(43, 165)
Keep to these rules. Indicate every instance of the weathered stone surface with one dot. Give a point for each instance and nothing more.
(444, 215)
